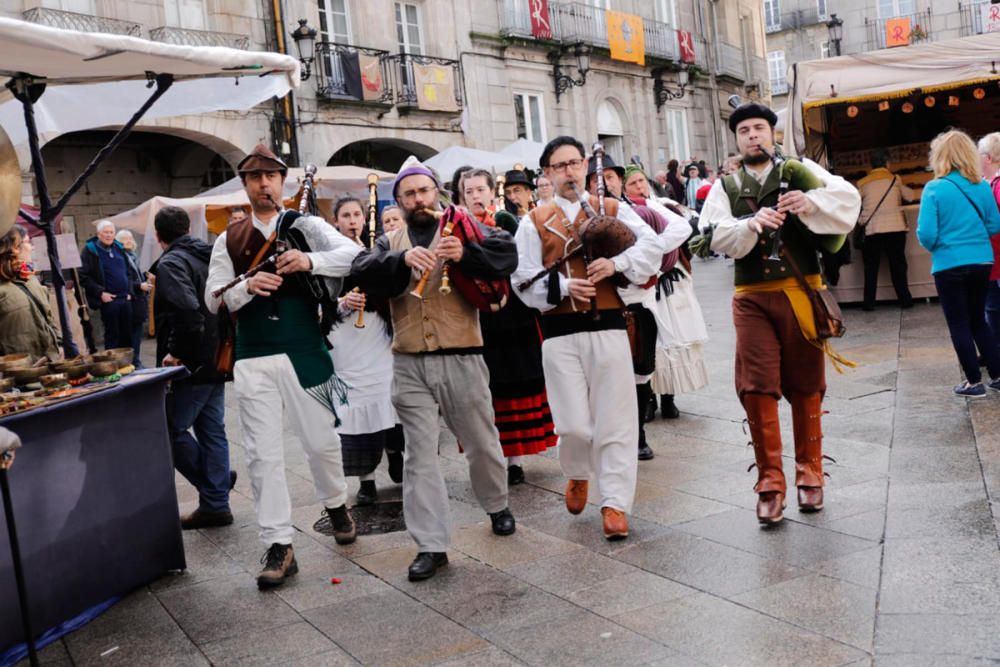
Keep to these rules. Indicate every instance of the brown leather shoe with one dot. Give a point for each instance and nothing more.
(615, 524)
(769, 507)
(810, 498)
(344, 530)
(576, 495)
(200, 519)
(279, 564)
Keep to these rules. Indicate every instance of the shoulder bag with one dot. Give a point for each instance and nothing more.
(859, 231)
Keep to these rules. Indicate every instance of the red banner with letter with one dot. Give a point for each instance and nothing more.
(541, 24)
(686, 44)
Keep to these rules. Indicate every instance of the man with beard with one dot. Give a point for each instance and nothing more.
(283, 368)
(518, 190)
(777, 352)
(437, 361)
(587, 362)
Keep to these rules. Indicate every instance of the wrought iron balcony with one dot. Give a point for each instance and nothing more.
(920, 29)
(353, 73)
(731, 61)
(794, 20)
(56, 18)
(171, 35)
(426, 83)
(972, 17)
(577, 22)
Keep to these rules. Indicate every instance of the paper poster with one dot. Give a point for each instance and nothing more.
(435, 86)
(897, 32)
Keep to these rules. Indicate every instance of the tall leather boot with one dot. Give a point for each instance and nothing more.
(765, 430)
(643, 392)
(807, 412)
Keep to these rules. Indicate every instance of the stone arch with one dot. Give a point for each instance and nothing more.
(380, 153)
(613, 127)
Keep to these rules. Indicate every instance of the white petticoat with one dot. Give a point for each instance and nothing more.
(681, 332)
(362, 358)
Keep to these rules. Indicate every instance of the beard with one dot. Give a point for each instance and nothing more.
(754, 159)
(420, 218)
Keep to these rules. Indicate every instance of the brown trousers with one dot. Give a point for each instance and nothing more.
(772, 356)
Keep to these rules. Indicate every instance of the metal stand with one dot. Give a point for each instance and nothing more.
(27, 89)
(15, 553)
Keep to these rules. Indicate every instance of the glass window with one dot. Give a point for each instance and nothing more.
(333, 22)
(772, 14)
(666, 11)
(776, 72)
(678, 145)
(824, 50)
(821, 8)
(408, 28)
(530, 117)
(890, 8)
(188, 14)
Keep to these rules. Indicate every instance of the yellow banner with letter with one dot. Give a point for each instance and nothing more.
(626, 37)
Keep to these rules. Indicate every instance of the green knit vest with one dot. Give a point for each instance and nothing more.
(803, 244)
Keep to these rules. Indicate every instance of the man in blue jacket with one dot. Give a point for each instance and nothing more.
(187, 335)
(108, 283)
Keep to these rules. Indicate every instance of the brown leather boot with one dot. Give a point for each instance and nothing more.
(615, 524)
(765, 431)
(279, 564)
(807, 412)
(576, 495)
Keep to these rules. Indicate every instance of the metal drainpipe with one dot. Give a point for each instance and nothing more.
(287, 103)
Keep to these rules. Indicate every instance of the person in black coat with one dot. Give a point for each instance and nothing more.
(109, 283)
(187, 335)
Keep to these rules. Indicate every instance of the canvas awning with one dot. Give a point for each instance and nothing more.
(450, 159)
(881, 75)
(527, 152)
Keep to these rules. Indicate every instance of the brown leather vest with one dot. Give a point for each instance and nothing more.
(554, 229)
(243, 242)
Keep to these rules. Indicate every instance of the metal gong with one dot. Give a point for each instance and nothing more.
(10, 184)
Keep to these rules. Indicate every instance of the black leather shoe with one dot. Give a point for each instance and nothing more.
(503, 522)
(426, 564)
(395, 466)
(645, 452)
(367, 494)
(515, 475)
(232, 479)
(199, 519)
(650, 409)
(344, 531)
(667, 407)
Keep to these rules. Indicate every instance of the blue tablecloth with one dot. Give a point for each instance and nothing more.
(94, 502)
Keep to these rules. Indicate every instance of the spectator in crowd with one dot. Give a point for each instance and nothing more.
(108, 283)
(392, 218)
(187, 335)
(731, 165)
(989, 153)
(140, 293)
(884, 228)
(544, 190)
(455, 186)
(674, 179)
(237, 214)
(958, 215)
(661, 188)
(691, 186)
(26, 323)
(702, 194)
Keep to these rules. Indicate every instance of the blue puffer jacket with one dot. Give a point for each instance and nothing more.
(957, 218)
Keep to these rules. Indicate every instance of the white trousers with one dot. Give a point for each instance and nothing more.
(591, 392)
(268, 390)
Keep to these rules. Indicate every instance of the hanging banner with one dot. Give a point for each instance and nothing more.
(897, 32)
(435, 85)
(991, 18)
(541, 25)
(686, 44)
(625, 37)
(372, 85)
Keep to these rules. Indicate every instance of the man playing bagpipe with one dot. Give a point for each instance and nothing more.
(586, 355)
(778, 350)
(437, 347)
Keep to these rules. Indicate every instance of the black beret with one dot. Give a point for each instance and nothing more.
(752, 110)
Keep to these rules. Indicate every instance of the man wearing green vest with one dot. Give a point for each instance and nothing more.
(283, 368)
(777, 353)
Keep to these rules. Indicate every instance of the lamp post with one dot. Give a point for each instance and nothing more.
(564, 82)
(305, 42)
(835, 27)
(660, 90)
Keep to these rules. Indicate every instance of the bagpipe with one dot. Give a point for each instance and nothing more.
(487, 296)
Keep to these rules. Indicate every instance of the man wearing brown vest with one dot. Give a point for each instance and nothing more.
(587, 362)
(283, 368)
(438, 363)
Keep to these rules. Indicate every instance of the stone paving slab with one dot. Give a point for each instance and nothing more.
(901, 568)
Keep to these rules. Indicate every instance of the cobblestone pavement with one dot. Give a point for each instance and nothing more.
(901, 568)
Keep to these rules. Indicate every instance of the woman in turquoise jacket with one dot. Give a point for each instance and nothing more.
(958, 215)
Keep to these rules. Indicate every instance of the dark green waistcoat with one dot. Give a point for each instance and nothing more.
(803, 244)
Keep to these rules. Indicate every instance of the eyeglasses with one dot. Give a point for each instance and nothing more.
(563, 166)
(423, 192)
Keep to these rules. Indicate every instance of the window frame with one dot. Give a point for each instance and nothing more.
(525, 96)
(769, 25)
(678, 137)
(326, 14)
(782, 78)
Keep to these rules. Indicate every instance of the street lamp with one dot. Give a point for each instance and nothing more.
(305, 42)
(660, 90)
(564, 81)
(835, 26)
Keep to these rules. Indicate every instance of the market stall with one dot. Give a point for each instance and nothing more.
(840, 109)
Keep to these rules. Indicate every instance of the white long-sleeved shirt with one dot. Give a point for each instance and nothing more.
(838, 204)
(334, 263)
(678, 229)
(638, 263)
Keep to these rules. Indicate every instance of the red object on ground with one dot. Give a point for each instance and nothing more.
(335, 580)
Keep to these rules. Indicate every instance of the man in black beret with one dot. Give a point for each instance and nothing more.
(614, 176)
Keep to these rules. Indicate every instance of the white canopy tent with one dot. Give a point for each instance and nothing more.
(447, 161)
(63, 80)
(526, 151)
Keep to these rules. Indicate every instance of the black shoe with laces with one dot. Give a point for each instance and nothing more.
(667, 407)
(515, 474)
(426, 564)
(367, 494)
(279, 564)
(503, 522)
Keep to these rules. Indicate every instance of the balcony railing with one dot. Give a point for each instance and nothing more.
(779, 87)
(920, 29)
(577, 22)
(56, 18)
(171, 35)
(426, 83)
(731, 62)
(346, 72)
(972, 17)
(794, 20)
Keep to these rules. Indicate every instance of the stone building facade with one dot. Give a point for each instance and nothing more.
(496, 83)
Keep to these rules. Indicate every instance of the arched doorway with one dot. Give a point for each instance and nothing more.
(147, 164)
(611, 130)
(384, 154)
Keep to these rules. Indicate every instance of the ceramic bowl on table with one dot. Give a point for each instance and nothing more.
(54, 380)
(103, 368)
(26, 376)
(12, 361)
(76, 372)
(123, 355)
(6, 384)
